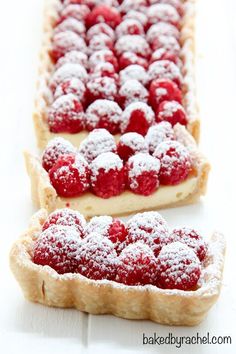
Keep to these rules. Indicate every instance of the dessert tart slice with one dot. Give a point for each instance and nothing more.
(164, 169)
(135, 270)
(96, 60)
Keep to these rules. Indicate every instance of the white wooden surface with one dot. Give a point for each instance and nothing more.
(29, 328)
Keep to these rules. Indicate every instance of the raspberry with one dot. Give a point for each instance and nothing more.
(73, 25)
(175, 162)
(70, 175)
(104, 114)
(165, 69)
(129, 5)
(103, 13)
(66, 217)
(64, 42)
(157, 134)
(163, 90)
(55, 148)
(161, 29)
(132, 91)
(165, 54)
(143, 172)
(103, 56)
(57, 248)
(74, 86)
(67, 72)
(137, 117)
(130, 144)
(149, 228)
(104, 70)
(96, 143)
(96, 257)
(134, 72)
(178, 267)
(137, 15)
(73, 57)
(191, 238)
(166, 42)
(107, 175)
(66, 115)
(100, 42)
(129, 58)
(136, 265)
(100, 28)
(129, 26)
(77, 11)
(177, 4)
(101, 88)
(132, 43)
(171, 111)
(164, 13)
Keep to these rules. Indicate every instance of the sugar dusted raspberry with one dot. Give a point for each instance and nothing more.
(103, 56)
(191, 238)
(129, 58)
(107, 175)
(101, 88)
(132, 43)
(157, 134)
(130, 144)
(177, 4)
(129, 5)
(73, 25)
(165, 54)
(104, 114)
(171, 111)
(57, 248)
(64, 42)
(100, 28)
(77, 11)
(178, 267)
(165, 69)
(99, 42)
(169, 43)
(132, 91)
(73, 57)
(161, 29)
(129, 26)
(137, 15)
(136, 265)
(67, 72)
(74, 86)
(134, 72)
(175, 162)
(163, 90)
(70, 175)
(96, 143)
(149, 228)
(66, 217)
(103, 13)
(143, 172)
(55, 148)
(104, 70)
(164, 13)
(97, 257)
(137, 117)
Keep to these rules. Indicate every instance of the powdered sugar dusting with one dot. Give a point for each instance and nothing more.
(137, 106)
(100, 225)
(107, 161)
(134, 72)
(103, 108)
(158, 133)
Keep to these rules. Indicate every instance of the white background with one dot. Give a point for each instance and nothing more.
(29, 328)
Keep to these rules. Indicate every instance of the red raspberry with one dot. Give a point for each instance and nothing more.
(133, 43)
(96, 257)
(191, 238)
(104, 114)
(177, 4)
(130, 144)
(73, 57)
(96, 143)
(143, 172)
(55, 148)
(137, 15)
(101, 88)
(167, 42)
(67, 72)
(149, 228)
(171, 111)
(100, 28)
(137, 117)
(70, 175)
(132, 91)
(103, 56)
(134, 72)
(136, 265)
(64, 42)
(175, 162)
(66, 115)
(73, 25)
(165, 54)
(178, 267)
(161, 29)
(129, 58)
(107, 175)
(66, 217)
(129, 26)
(163, 90)
(129, 5)
(103, 13)
(165, 69)
(74, 86)
(104, 70)
(100, 42)
(92, 3)
(157, 134)
(57, 248)
(164, 13)
(77, 11)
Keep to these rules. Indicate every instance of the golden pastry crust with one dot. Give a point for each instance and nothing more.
(189, 191)
(42, 131)
(171, 307)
